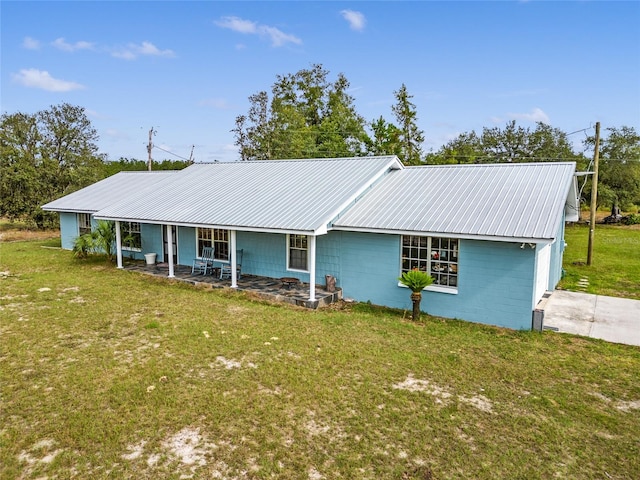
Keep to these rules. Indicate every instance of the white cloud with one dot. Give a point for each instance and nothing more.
(63, 45)
(42, 79)
(356, 19)
(277, 37)
(536, 115)
(30, 43)
(133, 51)
(238, 25)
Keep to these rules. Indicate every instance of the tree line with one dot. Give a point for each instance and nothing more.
(306, 115)
(46, 155)
(52, 153)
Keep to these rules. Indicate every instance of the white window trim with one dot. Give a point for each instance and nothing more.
(433, 287)
(288, 255)
(215, 250)
(213, 242)
(126, 248)
(78, 216)
(436, 288)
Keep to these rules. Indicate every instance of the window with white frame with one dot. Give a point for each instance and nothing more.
(84, 223)
(216, 238)
(221, 244)
(297, 252)
(131, 237)
(436, 256)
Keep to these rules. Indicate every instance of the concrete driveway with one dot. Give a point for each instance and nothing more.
(608, 318)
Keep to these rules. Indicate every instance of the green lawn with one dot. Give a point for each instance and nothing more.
(110, 374)
(615, 268)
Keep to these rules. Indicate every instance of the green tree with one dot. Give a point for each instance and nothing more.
(45, 156)
(307, 116)
(466, 148)
(111, 167)
(386, 139)
(411, 137)
(511, 144)
(619, 167)
(19, 159)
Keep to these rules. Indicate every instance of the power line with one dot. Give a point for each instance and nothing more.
(174, 154)
(582, 130)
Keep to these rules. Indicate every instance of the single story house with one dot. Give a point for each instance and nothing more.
(491, 235)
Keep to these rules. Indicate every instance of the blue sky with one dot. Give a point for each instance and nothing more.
(187, 68)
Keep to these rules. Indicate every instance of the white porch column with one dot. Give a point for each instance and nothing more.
(234, 260)
(312, 268)
(118, 244)
(170, 250)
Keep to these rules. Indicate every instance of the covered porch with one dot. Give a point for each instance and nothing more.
(269, 288)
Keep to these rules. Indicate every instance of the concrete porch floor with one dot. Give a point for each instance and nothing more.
(268, 288)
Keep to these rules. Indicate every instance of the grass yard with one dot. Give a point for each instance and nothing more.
(615, 269)
(110, 374)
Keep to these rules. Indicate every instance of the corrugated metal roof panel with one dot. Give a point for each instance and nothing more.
(293, 195)
(108, 191)
(494, 200)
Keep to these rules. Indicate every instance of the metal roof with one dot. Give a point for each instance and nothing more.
(105, 192)
(497, 201)
(274, 195)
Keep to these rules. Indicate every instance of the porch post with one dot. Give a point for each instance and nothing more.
(234, 260)
(312, 268)
(118, 244)
(170, 250)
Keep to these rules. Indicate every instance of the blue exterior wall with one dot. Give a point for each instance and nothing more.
(495, 284)
(265, 254)
(68, 229)
(186, 245)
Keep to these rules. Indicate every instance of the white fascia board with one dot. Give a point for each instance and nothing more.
(221, 227)
(68, 210)
(394, 164)
(490, 238)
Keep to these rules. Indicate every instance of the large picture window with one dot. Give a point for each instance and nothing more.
(216, 238)
(84, 223)
(297, 253)
(131, 237)
(436, 256)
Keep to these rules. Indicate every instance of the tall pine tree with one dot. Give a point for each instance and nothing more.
(411, 137)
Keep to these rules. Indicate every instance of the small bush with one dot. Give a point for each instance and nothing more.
(632, 219)
(83, 246)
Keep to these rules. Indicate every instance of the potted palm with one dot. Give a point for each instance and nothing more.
(416, 281)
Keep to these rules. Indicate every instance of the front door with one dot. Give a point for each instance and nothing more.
(174, 244)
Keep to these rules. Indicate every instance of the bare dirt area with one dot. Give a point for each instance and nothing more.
(15, 232)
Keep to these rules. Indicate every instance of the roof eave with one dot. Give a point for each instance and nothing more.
(465, 236)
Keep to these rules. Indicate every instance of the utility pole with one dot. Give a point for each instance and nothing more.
(150, 147)
(594, 195)
(191, 156)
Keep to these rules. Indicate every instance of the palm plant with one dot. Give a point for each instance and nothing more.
(104, 237)
(416, 280)
(101, 239)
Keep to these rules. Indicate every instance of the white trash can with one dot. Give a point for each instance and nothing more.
(150, 258)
